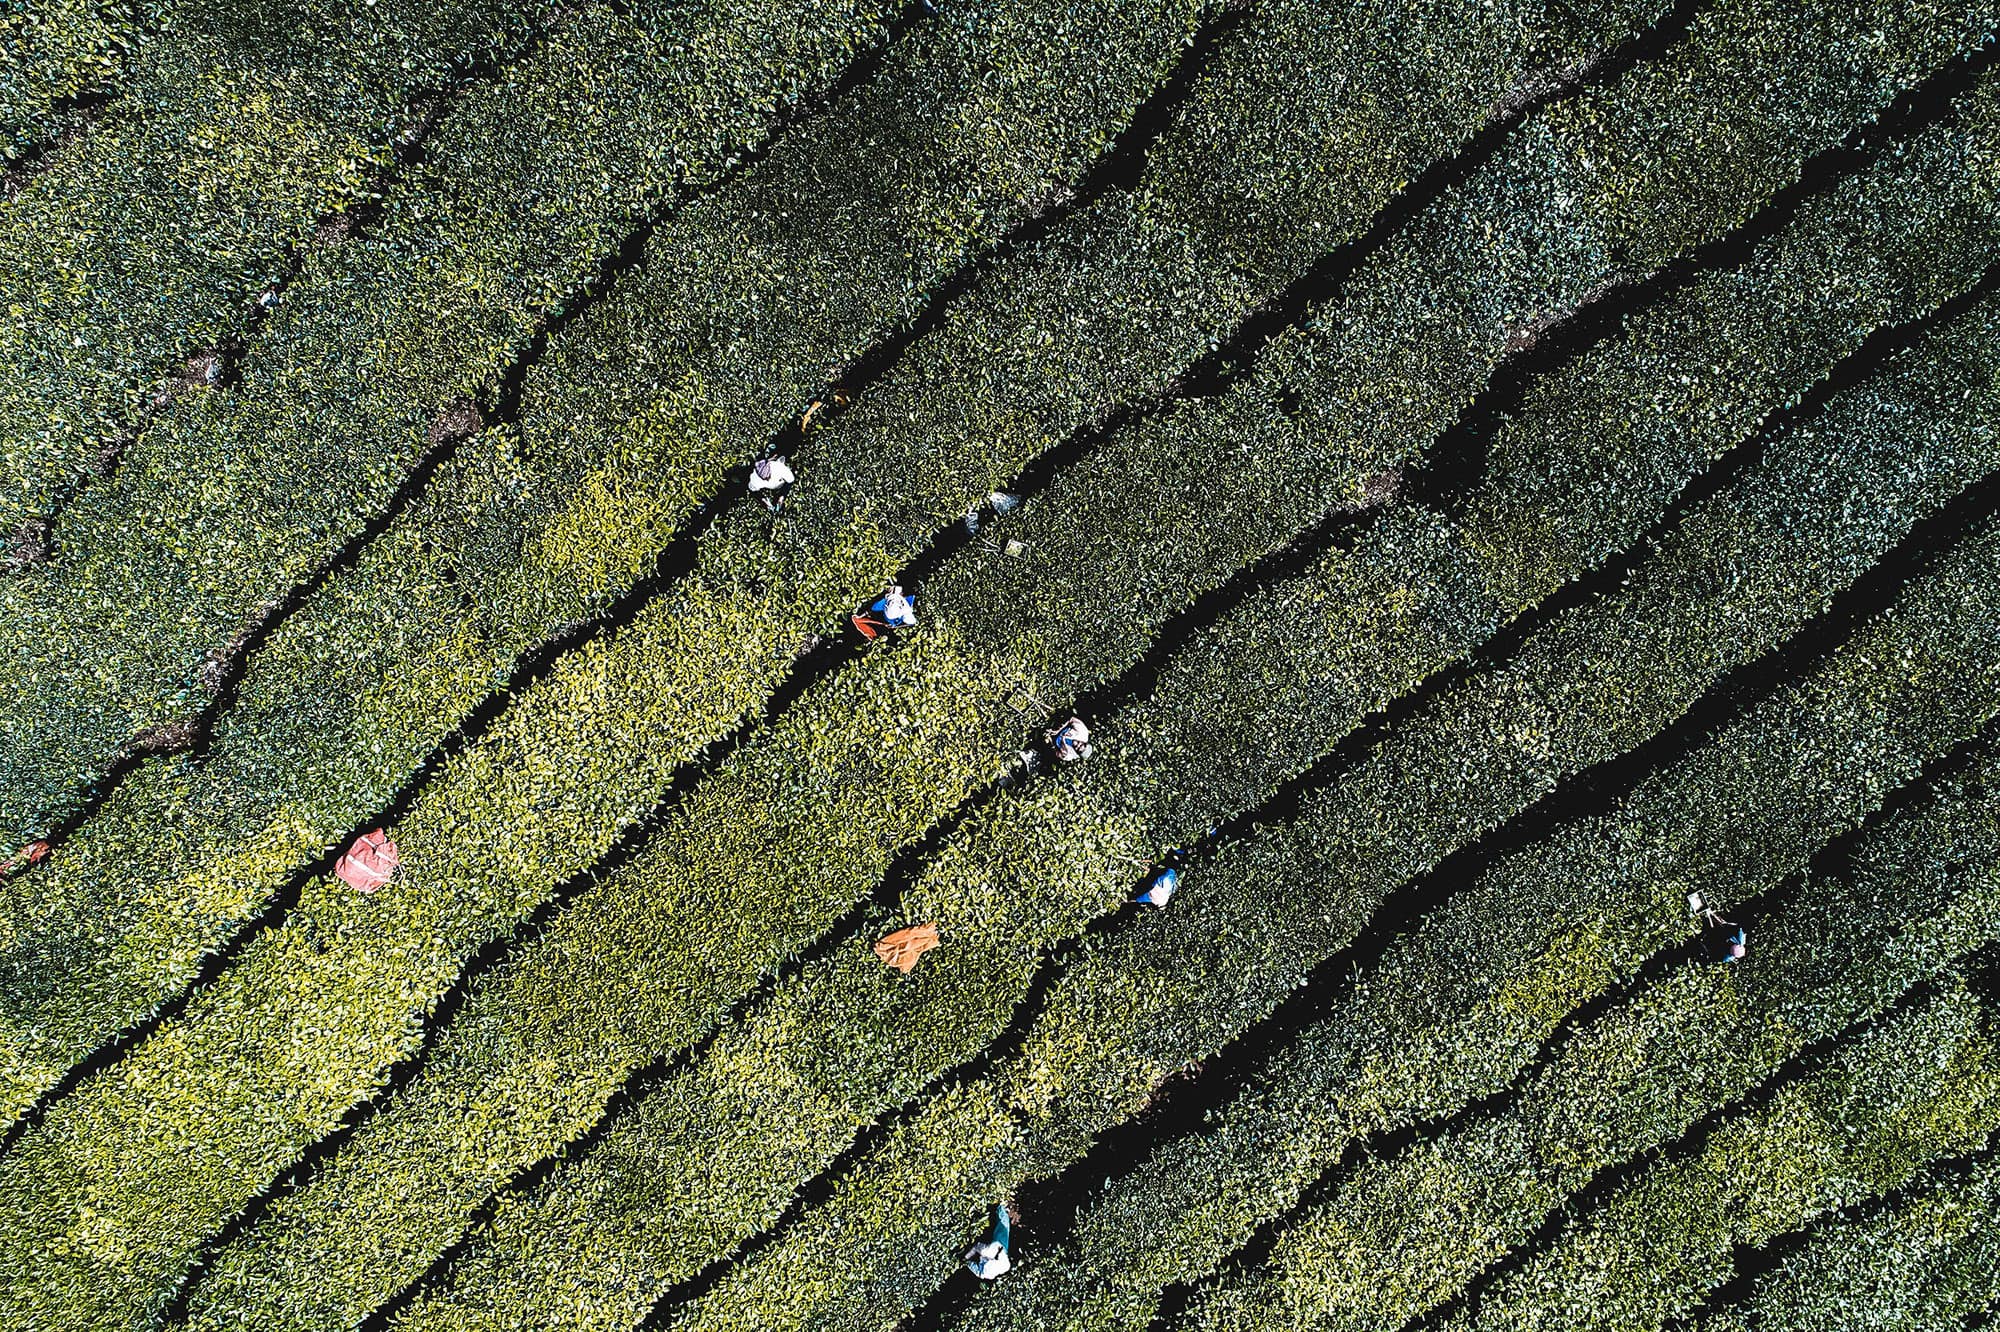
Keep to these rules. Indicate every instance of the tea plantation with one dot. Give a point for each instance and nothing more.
(1509, 494)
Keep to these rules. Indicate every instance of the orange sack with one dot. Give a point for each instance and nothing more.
(902, 949)
(368, 863)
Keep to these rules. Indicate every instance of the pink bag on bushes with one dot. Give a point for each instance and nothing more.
(368, 863)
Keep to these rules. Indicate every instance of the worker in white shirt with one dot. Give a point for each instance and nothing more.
(897, 611)
(771, 480)
(1071, 740)
(989, 1259)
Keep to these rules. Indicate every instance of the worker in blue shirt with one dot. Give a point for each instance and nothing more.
(1071, 740)
(892, 611)
(1160, 888)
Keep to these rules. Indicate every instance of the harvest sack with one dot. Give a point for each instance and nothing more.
(368, 863)
(902, 949)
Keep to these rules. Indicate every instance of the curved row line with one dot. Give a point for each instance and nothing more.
(347, 1193)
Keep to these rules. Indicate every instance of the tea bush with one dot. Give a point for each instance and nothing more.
(368, 361)
(1175, 1216)
(345, 702)
(1401, 1235)
(1130, 1013)
(616, 1014)
(145, 242)
(738, 841)
(1932, 1259)
(1869, 1121)
(54, 56)
(302, 769)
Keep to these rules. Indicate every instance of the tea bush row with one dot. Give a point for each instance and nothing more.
(345, 702)
(736, 850)
(1179, 984)
(270, 982)
(370, 360)
(745, 823)
(1404, 1234)
(1600, 190)
(144, 242)
(1175, 1216)
(408, 946)
(280, 786)
(1930, 1260)
(1920, 1085)
(608, 769)
(53, 55)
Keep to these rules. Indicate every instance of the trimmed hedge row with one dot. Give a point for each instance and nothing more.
(1182, 982)
(55, 52)
(463, 1155)
(346, 700)
(1455, 1011)
(435, 919)
(382, 957)
(1136, 250)
(1930, 1261)
(449, 1139)
(1161, 45)
(452, 1136)
(369, 362)
(1175, 1216)
(424, 950)
(1401, 1235)
(146, 243)
(641, 1211)
(1919, 1085)
(790, 831)
(1603, 189)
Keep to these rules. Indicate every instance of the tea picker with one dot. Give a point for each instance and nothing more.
(988, 1259)
(1071, 740)
(901, 948)
(369, 863)
(1000, 502)
(896, 609)
(771, 480)
(1723, 940)
(1068, 742)
(1160, 889)
(891, 612)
